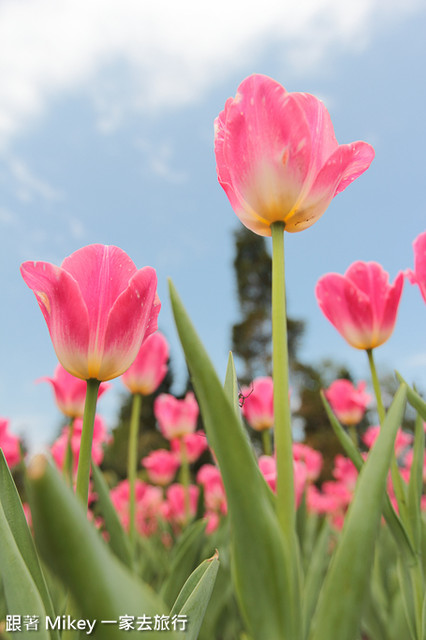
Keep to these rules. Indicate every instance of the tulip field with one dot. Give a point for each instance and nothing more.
(227, 531)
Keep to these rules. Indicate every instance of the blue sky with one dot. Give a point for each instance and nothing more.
(106, 135)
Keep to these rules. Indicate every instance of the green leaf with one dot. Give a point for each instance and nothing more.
(415, 486)
(315, 575)
(231, 385)
(194, 597)
(101, 587)
(185, 555)
(232, 390)
(347, 579)
(393, 520)
(15, 516)
(413, 397)
(406, 587)
(118, 540)
(22, 596)
(263, 571)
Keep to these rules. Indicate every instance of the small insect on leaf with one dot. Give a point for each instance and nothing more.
(243, 397)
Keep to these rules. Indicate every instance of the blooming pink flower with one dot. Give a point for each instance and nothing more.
(161, 466)
(195, 444)
(149, 504)
(9, 443)
(100, 439)
(278, 159)
(176, 418)
(311, 458)
(98, 308)
(361, 305)
(258, 407)
(418, 276)
(70, 392)
(210, 479)
(345, 472)
(175, 506)
(148, 370)
(348, 402)
(268, 469)
(402, 441)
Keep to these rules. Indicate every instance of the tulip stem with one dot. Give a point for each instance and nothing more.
(266, 442)
(282, 419)
(85, 456)
(185, 478)
(132, 463)
(376, 386)
(68, 465)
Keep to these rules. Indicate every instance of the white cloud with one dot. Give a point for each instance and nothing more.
(168, 52)
(28, 184)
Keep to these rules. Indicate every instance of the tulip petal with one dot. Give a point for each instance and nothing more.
(373, 280)
(418, 276)
(65, 312)
(362, 305)
(346, 307)
(263, 148)
(132, 318)
(346, 164)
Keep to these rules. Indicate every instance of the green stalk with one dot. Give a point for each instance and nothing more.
(376, 386)
(69, 458)
(283, 436)
(132, 462)
(185, 478)
(266, 442)
(415, 571)
(85, 456)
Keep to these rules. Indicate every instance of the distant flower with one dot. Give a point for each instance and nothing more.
(210, 478)
(100, 439)
(161, 466)
(258, 405)
(403, 439)
(174, 508)
(311, 458)
(149, 505)
(277, 156)
(150, 366)
(348, 402)
(176, 418)
(70, 392)
(418, 276)
(361, 305)
(98, 308)
(9, 443)
(195, 444)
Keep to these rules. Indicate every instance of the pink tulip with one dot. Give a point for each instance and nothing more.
(176, 418)
(348, 402)
(195, 444)
(150, 366)
(98, 308)
(361, 305)
(161, 466)
(149, 504)
(70, 392)
(175, 507)
(403, 439)
(9, 443)
(268, 468)
(278, 159)
(418, 276)
(311, 458)
(258, 407)
(210, 479)
(100, 439)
